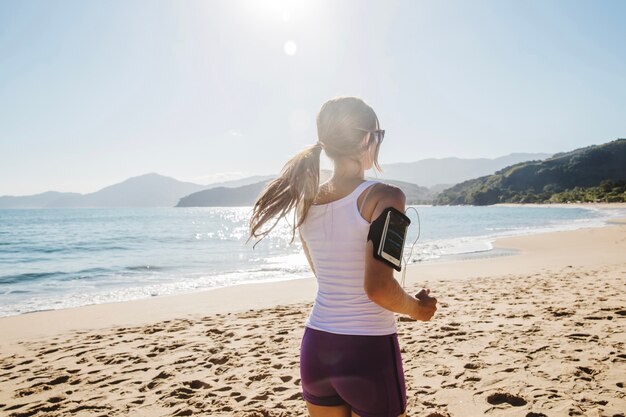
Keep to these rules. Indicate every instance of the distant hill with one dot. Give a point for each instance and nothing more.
(432, 172)
(414, 193)
(240, 182)
(35, 200)
(149, 190)
(223, 196)
(228, 195)
(154, 190)
(592, 173)
(247, 194)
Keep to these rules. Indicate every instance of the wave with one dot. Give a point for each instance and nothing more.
(144, 268)
(55, 275)
(28, 277)
(92, 247)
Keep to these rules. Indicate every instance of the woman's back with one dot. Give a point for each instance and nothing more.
(335, 234)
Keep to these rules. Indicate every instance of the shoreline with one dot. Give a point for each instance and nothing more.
(289, 291)
(540, 333)
(469, 254)
(566, 205)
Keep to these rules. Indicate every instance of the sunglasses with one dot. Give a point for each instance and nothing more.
(376, 135)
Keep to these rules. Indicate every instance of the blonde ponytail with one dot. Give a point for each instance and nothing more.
(295, 188)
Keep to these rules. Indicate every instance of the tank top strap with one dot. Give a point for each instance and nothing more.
(362, 186)
(366, 193)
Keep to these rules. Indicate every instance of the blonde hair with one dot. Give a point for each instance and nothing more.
(342, 123)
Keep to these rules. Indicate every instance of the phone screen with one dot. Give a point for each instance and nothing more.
(393, 242)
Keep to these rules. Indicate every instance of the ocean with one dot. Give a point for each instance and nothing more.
(60, 258)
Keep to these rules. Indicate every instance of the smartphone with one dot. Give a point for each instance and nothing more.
(393, 237)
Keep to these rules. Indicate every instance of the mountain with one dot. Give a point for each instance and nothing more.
(149, 190)
(247, 194)
(154, 190)
(432, 172)
(240, 182)
(414, 193)
(35, 200)
(224, 196)
(592, 173)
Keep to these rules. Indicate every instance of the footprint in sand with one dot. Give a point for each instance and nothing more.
(502, 397)
(197, 384)
(473, 365)
(181, 393)
(220, 360)
(262, 397)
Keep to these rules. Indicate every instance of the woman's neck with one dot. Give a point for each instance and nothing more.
(342, 174)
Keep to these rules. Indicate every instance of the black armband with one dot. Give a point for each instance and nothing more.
(388, 233)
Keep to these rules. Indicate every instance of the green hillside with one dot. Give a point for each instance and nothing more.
(594, 173)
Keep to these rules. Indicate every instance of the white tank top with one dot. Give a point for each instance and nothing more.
(336, 234)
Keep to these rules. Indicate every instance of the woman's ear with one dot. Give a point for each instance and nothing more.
(368, 154)
(365, 141)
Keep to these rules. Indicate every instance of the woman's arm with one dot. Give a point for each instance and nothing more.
(380, 285)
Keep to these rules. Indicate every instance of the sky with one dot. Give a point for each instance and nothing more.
(92, 93)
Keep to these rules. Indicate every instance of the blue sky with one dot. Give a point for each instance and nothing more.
(92, 93)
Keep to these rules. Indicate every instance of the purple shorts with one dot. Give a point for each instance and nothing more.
(364, 372)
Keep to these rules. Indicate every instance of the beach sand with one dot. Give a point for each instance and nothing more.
(537, 333)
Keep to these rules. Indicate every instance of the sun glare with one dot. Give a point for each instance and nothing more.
(290, 48)
(281, 16)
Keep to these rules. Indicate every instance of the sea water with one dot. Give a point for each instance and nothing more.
(59, 258)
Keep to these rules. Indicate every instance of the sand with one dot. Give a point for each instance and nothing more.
(537, 333)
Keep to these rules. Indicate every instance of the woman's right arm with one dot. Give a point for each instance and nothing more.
(380, 285)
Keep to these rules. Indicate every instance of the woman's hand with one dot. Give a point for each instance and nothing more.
(425, 306)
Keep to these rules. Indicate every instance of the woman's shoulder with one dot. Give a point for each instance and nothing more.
(387, 192)
(382, 195)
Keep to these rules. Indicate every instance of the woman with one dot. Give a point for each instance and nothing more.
(350, 362)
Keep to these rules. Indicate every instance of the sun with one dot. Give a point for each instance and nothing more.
(290, 48)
